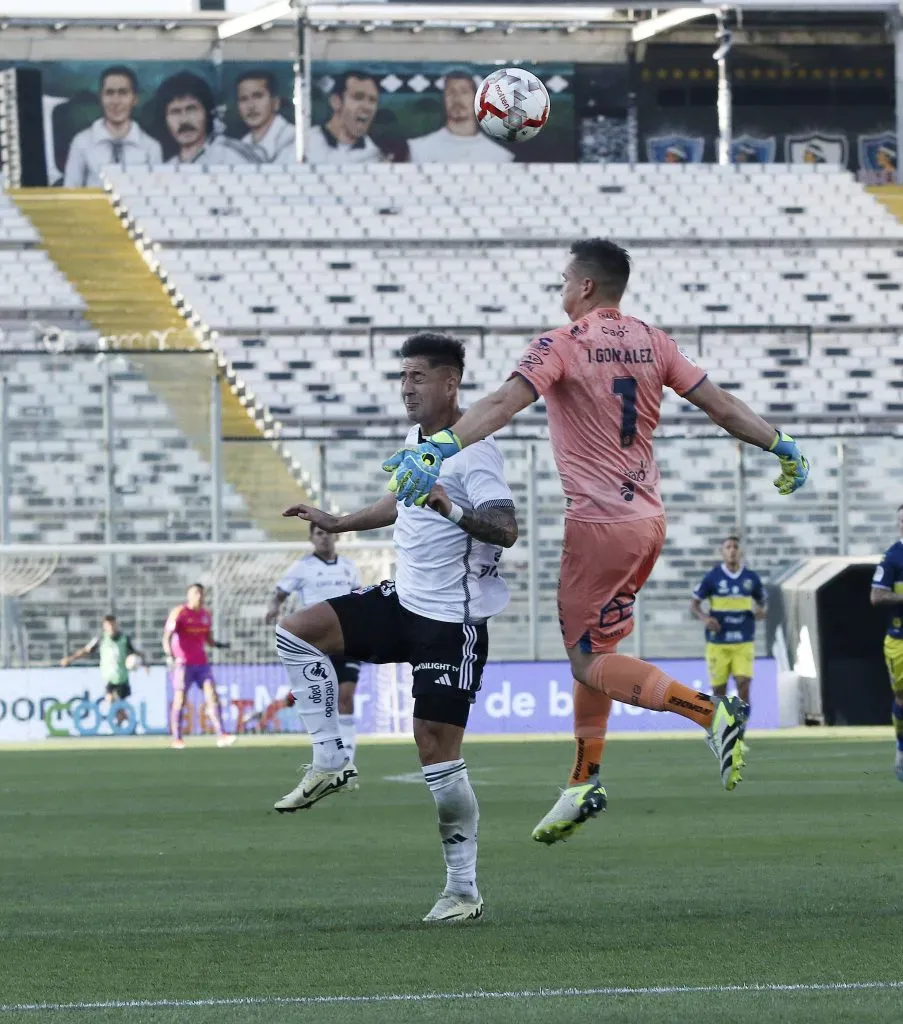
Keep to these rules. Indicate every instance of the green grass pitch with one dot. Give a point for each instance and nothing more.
(154, 875)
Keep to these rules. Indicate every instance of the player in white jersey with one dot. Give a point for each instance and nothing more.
(433, 615)
(314, 578)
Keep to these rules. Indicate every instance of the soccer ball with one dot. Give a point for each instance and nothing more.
(132, 662)
(512, 105)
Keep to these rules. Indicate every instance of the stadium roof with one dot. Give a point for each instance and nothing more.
(812, 14)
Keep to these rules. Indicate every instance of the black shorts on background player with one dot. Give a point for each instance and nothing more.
(121, 691)
(447, 658)
(346, 671)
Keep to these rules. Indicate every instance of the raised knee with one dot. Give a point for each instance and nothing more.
(317, 626)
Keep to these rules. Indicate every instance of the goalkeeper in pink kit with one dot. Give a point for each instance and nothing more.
(602, 378)
(186, 636)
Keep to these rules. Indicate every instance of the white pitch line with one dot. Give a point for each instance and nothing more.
(429, 997)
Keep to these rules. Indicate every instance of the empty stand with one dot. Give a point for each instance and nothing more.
(782, 282)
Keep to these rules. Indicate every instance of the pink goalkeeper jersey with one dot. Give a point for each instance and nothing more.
(602, 379)
(190, 628)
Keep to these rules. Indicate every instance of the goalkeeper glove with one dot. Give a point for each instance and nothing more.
(794, 465)
(415, 470)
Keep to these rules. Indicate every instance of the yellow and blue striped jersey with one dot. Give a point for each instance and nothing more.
(889, 576)
(732, 597)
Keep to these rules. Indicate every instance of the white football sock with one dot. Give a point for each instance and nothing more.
(315, 689)
(459, 816)
(349, 735)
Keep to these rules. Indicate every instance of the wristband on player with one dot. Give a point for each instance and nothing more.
(455, 513)
(784, 446)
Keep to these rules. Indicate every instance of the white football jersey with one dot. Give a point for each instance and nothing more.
(321, 147)
(313, 580)
(278, 143)
(444, 147)
(442, 572)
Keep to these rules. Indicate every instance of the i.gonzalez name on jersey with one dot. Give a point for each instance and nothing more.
(620, 355)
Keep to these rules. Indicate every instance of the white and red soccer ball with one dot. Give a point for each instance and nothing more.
(511, 105)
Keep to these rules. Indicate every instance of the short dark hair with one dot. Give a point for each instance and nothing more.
(315, 526)
(109, 618)
(731, 536)
(200, 586)
(437, 349)
(119, 69)
(606, 263)
(340, 84)
(899, 507)
(459, 74)
(264, 76)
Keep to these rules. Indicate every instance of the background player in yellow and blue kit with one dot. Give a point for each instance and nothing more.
(887, 592)
(735, 601)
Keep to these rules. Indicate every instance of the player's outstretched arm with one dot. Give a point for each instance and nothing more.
(415, 470)
(494, 411)
(881, 595)
(381, 513)
(80, 653)
(736, 417)
(492, 524)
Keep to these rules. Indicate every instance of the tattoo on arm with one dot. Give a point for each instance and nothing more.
(491, 524)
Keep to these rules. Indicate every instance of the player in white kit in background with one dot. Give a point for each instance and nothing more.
(312, 579)
(433, 615)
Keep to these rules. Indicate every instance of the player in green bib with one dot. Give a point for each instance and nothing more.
(114, 649)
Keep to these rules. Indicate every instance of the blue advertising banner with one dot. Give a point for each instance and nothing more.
(517, 697)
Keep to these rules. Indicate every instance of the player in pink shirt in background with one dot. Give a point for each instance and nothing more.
(187, 635)
(602, 378)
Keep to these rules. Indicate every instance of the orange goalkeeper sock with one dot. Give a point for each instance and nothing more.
(591, 711)
(636, 682)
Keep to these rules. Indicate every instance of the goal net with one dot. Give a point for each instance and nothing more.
(52, 601)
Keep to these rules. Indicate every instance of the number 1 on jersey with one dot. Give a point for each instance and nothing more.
(626, 388)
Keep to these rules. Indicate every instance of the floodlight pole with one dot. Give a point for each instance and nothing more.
(898, 85)
(298, 85)
(725, 127)
(633, 128)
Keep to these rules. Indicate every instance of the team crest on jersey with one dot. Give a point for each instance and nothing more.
(752, 149)
(722, 586)
(618, 610)
(747, 585)
(675, 149)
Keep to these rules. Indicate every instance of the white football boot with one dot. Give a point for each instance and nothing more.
(576, 805)
(452, 907)
(316, 784)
